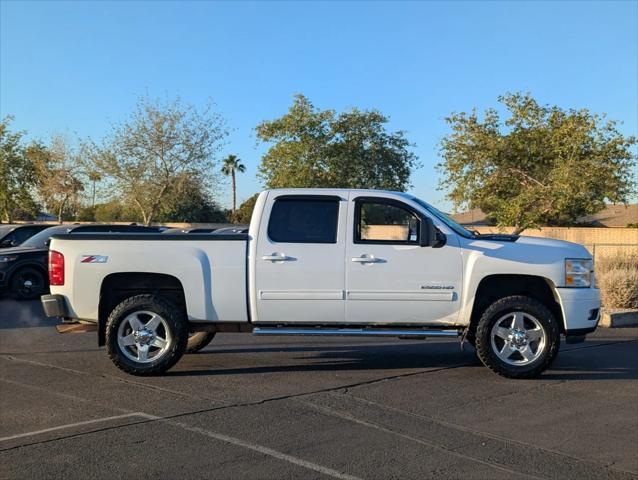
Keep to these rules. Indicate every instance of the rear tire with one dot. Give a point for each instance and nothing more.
(146, 335)
(517, 337)
(198, 341)
(28, 283)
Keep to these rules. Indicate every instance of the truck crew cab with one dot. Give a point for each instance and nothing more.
(327, 262)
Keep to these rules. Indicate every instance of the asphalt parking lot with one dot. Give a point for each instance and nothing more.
(288, 407)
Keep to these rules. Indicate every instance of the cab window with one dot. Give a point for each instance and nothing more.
(304, 220)
(380, 221)
(19, 235)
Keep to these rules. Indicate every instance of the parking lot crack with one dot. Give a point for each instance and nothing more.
(376, 426)
(198, 411)
(480, 433)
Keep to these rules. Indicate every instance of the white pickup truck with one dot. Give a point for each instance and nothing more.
(327, 262)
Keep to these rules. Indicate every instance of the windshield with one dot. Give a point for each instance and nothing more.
(4, 229)
(460, 229)
(39, 240)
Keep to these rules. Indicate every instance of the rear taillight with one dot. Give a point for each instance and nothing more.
(56, 268)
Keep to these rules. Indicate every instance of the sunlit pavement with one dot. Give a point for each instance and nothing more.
(259, 408)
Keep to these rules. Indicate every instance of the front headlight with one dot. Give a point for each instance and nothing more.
(6, 259)
(578, 272)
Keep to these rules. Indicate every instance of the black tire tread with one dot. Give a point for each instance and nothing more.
(483, 341)
(170, 313)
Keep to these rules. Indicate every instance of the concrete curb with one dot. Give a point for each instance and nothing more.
(619, 318)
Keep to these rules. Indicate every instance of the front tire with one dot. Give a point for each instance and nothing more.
(146, 335)
(517, 337)
(198, 341)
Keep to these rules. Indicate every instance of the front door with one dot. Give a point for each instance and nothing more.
(390, 279)
(299, 262)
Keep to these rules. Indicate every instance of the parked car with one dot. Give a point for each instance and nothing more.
(23, 269)
(328, 262)
(14, 235)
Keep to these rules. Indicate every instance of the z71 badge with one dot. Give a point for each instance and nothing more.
(94, 259)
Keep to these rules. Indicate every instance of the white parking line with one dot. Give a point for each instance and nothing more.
(89, 374)
(58, 394)
(334, 413)
(71, 425)
(256, 447)
(208, 433)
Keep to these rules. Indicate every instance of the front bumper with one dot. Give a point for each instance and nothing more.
(581, 309)
(54, 306)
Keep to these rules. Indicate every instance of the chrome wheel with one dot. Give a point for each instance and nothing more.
(518, 338)
(144, 337)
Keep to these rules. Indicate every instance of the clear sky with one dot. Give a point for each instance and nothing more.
(74, 67)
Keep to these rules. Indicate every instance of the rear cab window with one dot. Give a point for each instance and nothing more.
(304, 219)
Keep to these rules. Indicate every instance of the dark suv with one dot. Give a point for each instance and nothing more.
(14, 235)
(23, 269)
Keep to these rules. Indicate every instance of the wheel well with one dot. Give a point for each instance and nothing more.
(119, 286)
(494, 287)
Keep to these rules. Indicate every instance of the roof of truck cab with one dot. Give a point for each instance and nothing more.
(335, 191)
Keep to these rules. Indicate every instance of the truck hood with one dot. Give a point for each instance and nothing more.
(526, 251)
(569, 248)
(542, 257)
(528, 248)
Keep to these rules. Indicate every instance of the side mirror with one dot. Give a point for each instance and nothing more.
(429, 235)
(427, 232)
(6, 244)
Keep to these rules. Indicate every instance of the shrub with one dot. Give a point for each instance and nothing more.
(618, 261)
(245, 211)
(618, 280)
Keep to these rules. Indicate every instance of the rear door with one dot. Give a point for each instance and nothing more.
(299, 269)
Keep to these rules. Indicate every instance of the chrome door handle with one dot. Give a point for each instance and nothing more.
(277, 258)
(366, 259)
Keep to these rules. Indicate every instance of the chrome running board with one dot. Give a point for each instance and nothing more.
(356, 332)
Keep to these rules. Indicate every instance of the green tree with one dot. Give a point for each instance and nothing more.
(18, 176)
(59, 176)
(115, 211)
(319, 148)
(86, 214)
(89, 159)
(191, 202)
(231, 164)
(245, 211)
(152, 153)
(541, 165)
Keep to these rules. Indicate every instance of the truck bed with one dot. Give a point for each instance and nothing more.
(154, 236)
(211, 269)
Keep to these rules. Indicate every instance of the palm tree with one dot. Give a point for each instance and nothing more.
(231, 165)
(94, 177)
